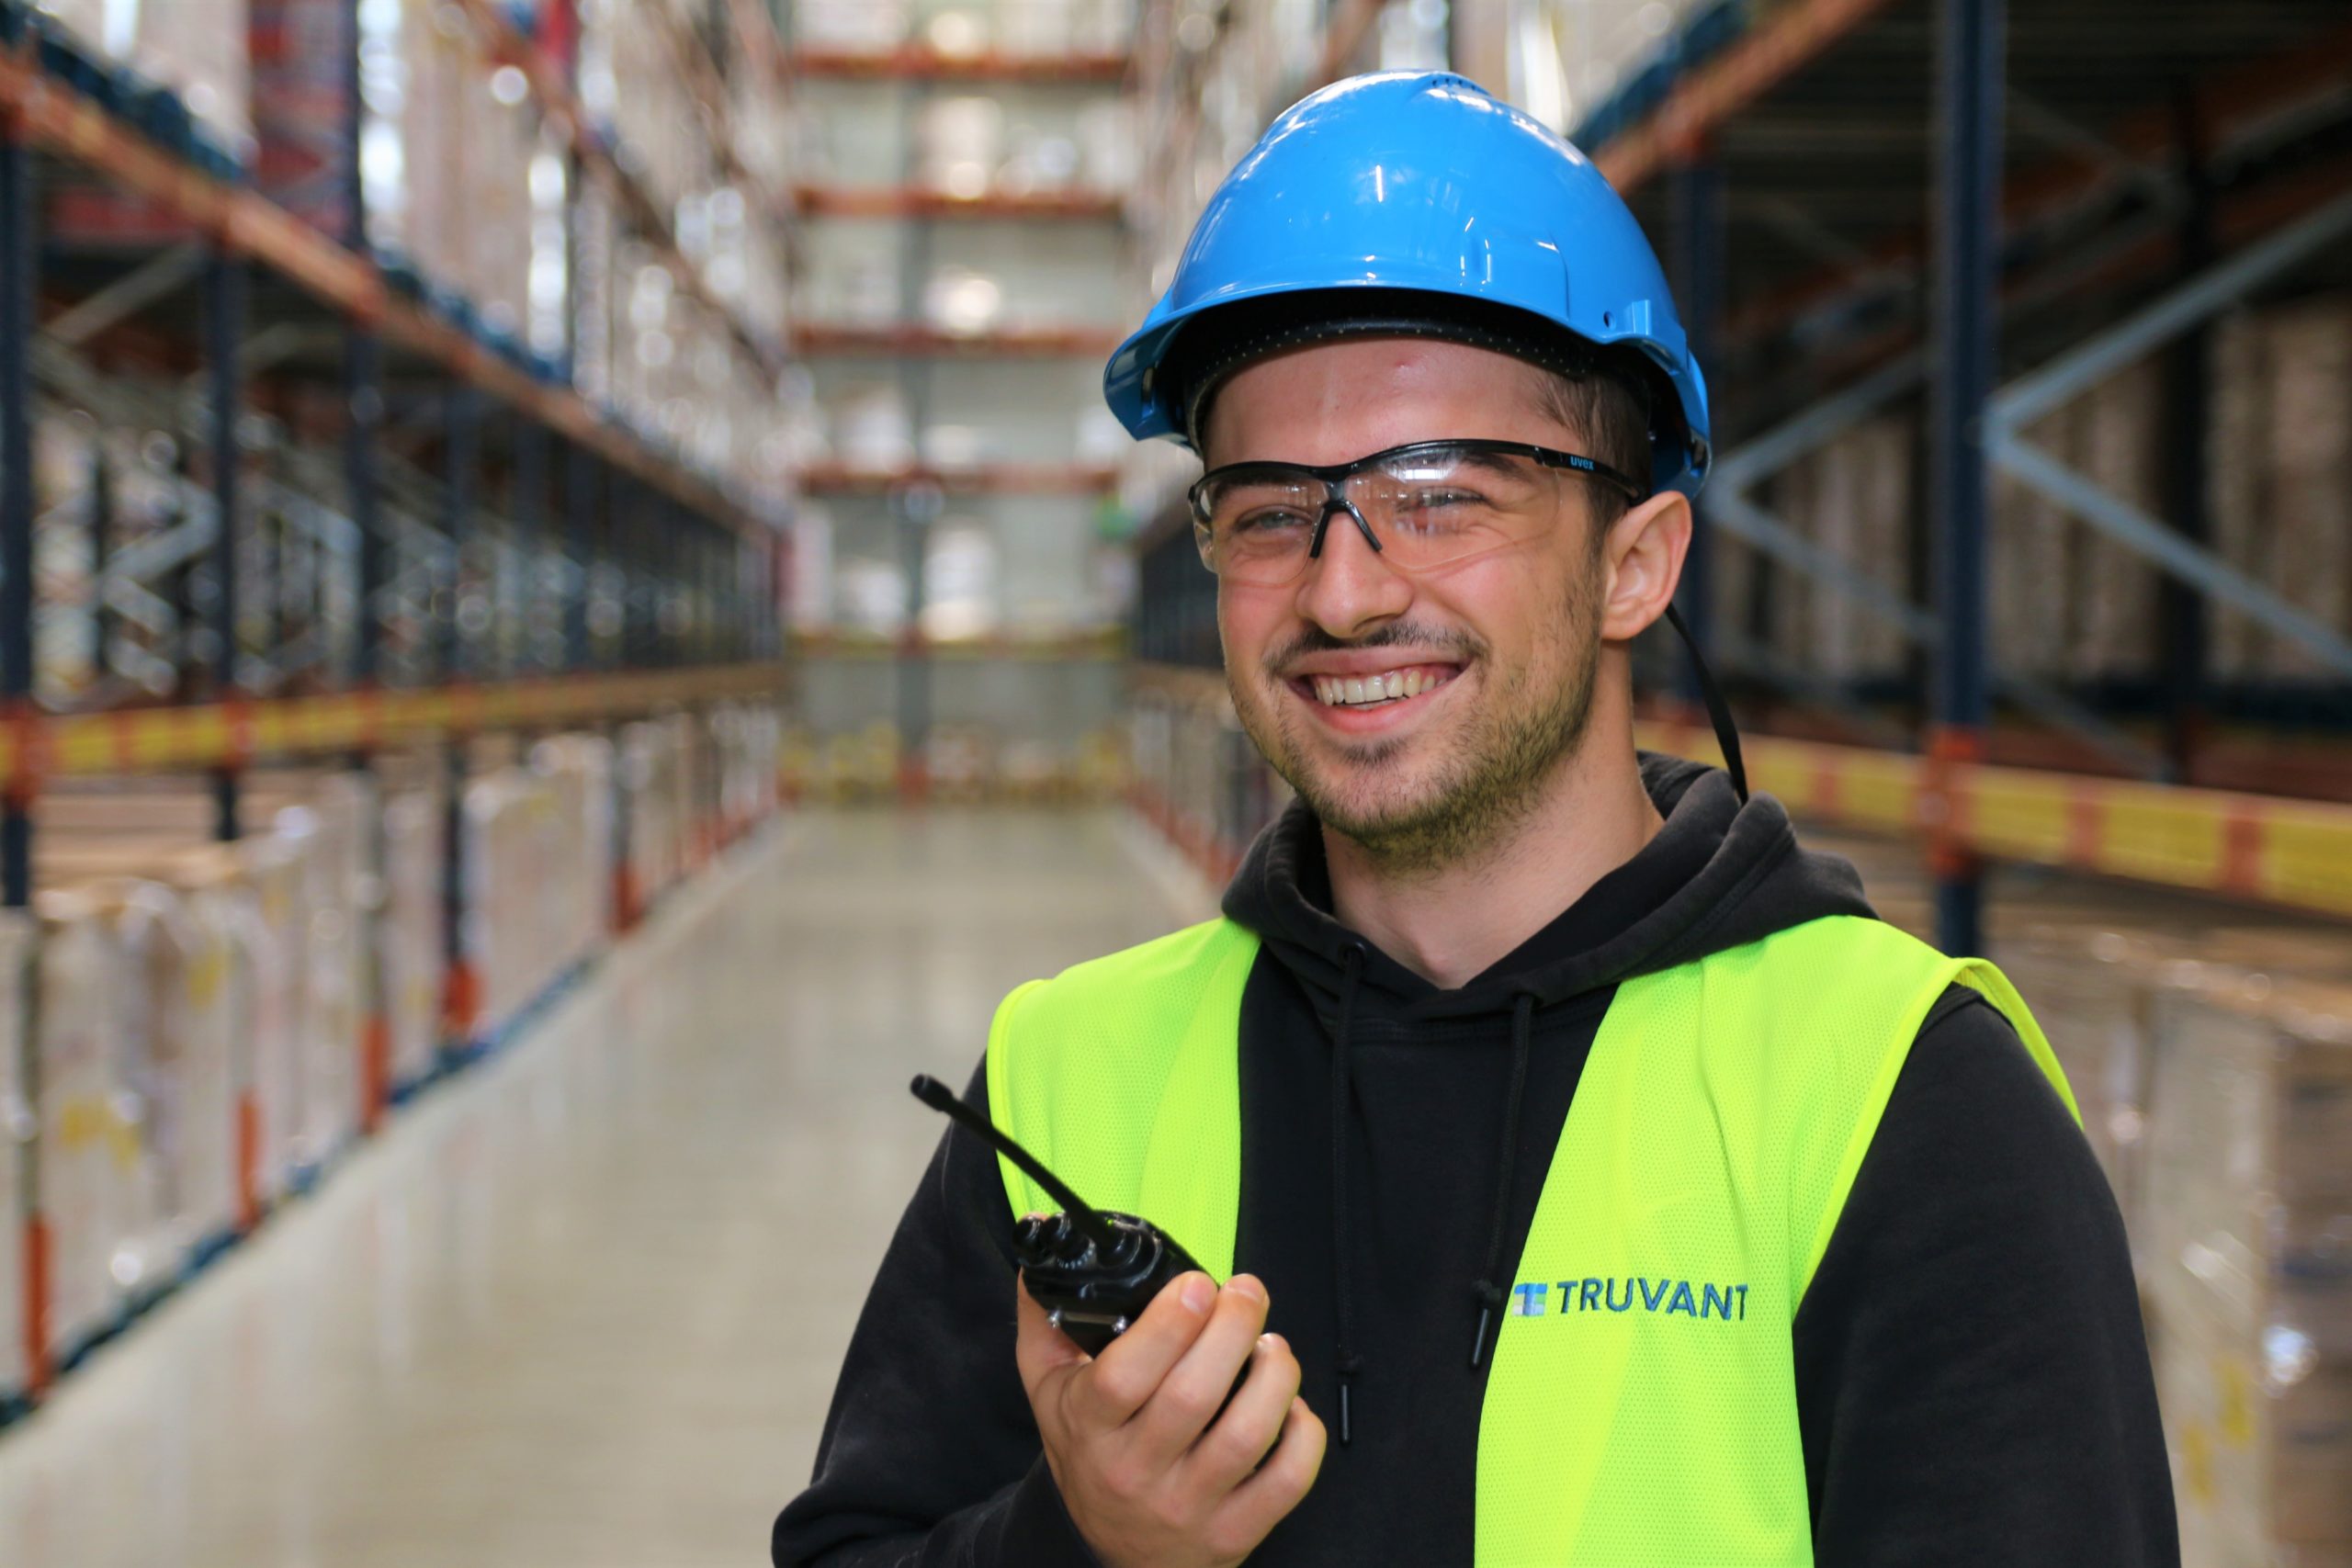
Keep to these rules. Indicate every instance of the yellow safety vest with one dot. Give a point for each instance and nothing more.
(1642, 1407)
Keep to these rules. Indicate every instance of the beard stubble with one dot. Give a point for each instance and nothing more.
(1494, 762)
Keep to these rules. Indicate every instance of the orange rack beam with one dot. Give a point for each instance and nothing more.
(911, 201)
(1768, 53)
(909, 342)
(2296, 854)
(37, 746)
(994, 478)
(59, 122)
(920, 63)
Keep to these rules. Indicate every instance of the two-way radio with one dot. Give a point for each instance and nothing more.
(1092, 1270)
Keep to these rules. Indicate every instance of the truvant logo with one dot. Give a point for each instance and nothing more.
(1660, 1298)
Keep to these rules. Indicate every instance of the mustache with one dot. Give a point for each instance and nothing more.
(1449, 642)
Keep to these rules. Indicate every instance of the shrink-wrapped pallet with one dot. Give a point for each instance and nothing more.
(2248, 1255)
(527, 865)
(276, 869)
(574, 774)
(232, 892)
(331, 832)
(652, 775)
(16, 1125)
(174, 997)
(86, 1134)
(413, 958)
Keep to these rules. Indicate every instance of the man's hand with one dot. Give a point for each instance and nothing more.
(1148, 1480)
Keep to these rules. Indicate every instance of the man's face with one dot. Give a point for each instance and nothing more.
(1499, 650)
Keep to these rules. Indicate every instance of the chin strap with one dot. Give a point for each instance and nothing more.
(1718, 711)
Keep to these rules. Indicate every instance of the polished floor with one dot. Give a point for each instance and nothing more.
(581, 1308)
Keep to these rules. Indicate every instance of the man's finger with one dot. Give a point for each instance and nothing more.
(1250, 1426)
(1039, 1349)
(1130, 1368)
(1258, 1504)
(1200, 1380)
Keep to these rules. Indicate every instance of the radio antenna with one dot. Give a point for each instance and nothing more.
(939, 1097)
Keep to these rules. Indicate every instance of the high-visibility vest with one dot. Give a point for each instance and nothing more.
(1641, 1408)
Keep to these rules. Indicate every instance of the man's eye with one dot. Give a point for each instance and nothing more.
(1271, 521)
(1421, 502)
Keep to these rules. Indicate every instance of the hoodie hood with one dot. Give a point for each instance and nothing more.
(1719, 875)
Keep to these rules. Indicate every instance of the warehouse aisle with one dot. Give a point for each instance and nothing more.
(583, 1309)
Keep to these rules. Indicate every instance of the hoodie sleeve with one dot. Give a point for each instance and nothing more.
(930, 1457)
(1973, 1375)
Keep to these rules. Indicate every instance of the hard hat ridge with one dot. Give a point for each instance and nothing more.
(1415, 203)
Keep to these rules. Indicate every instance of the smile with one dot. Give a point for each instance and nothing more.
(1377, 688)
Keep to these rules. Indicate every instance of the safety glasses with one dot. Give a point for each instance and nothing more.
(1422, 505)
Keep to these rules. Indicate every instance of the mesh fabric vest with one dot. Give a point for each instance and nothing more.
(1641, 1408)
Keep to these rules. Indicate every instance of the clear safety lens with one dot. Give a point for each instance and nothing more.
(1425, 505)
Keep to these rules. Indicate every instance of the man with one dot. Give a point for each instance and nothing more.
(1593, 1179)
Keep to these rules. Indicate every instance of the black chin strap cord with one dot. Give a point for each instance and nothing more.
(1488, 1293)
(1347, 1362)
(1718, 711)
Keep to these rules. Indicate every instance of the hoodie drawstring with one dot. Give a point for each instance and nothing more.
(1490, 1295)
(1349, 1362)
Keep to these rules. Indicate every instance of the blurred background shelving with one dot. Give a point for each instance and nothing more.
(466, 463)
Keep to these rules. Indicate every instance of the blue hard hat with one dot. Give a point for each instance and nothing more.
(1415, 202)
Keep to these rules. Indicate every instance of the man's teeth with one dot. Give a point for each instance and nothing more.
(1352, 691)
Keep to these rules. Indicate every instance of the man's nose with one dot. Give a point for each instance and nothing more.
(1348, 586)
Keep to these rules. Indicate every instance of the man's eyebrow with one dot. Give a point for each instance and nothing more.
(1489, 462)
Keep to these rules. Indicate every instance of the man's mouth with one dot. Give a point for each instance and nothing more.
(1376, 688)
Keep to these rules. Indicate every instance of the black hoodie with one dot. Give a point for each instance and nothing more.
(1973, 1381)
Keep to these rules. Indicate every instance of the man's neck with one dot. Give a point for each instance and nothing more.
(1450, 924)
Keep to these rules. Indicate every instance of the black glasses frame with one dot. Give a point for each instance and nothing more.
(1335, 477)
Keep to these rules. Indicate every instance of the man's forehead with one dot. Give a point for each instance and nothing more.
(1335, 401)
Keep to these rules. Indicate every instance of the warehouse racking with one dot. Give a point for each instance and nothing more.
(297, 510)
(960, 387)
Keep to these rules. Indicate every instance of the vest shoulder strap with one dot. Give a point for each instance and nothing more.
(1120, 1074)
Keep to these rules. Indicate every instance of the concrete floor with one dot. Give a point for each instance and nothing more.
(582, 1308)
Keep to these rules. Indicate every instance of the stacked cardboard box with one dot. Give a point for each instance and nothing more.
(1853, 499)
(2282, 473)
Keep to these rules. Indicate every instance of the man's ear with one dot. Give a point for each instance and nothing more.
(1642, 563)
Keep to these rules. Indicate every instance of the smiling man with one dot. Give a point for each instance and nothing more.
(1582, 1173)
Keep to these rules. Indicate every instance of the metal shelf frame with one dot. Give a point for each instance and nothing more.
(2142, 224)
(376, 530)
